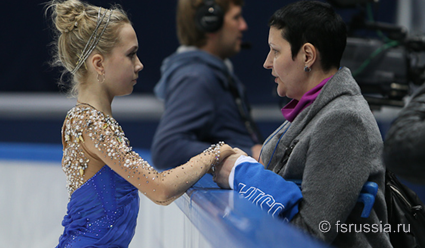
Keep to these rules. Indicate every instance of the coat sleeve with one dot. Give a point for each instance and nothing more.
(266, 189)
(404, 141)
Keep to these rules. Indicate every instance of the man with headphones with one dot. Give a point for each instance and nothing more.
(204, 102)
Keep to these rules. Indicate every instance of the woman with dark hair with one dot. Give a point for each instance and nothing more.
(330, 142)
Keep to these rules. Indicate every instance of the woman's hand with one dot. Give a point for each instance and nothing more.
(225, 151)
(222, 170)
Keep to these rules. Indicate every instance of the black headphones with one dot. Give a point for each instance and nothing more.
(209, 17)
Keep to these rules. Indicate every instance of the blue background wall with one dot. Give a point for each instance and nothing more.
(25, 36)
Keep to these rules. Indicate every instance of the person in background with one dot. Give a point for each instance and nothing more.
(405, 140)
(330, 143)
(99, 47)
(204, 102)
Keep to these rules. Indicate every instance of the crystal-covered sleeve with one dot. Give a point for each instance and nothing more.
(105, 139)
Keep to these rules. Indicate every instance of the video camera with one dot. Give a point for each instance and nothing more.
(386, 64)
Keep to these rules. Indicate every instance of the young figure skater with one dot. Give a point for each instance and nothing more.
(99, 48)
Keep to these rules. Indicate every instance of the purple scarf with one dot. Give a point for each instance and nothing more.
(294, 107)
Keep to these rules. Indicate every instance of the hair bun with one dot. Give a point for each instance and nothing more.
(69, 14)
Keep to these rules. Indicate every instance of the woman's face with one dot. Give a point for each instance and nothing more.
(289, 74)
(122, 66)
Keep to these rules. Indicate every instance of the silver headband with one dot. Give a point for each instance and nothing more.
(93, 40)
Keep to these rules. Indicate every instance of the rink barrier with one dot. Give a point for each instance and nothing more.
(223, 217)
(226, 219)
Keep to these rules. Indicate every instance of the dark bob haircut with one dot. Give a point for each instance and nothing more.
(316, 23)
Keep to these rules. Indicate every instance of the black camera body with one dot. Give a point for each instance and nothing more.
(384, 81)
(385, 66)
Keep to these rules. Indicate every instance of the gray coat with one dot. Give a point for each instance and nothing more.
(334, 146)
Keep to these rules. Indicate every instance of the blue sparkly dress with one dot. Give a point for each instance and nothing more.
(104, 178)
(101, 213)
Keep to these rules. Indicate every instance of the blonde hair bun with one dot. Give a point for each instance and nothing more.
(69, 15)
(74, 23)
